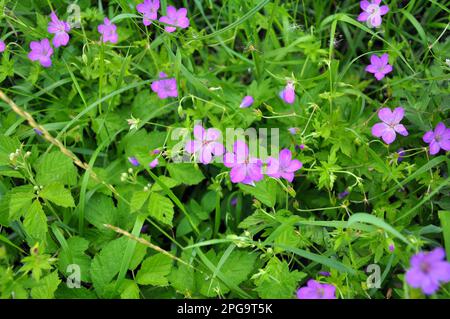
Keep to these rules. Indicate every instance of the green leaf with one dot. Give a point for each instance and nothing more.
(20, 199)
(264, 191)
(74, 254)
(105, 265)
(234, 267)
(169, 182)
(58, 194)
(8, 145)
(182, 278)
(46, 287)
(137, 200)
(276, 281)
(35, 222)
(161, 208)
(444, 216)
(185, 173)
(129, 290)
(101, 210)
(371, 219)
(56, 167)
(154, 271)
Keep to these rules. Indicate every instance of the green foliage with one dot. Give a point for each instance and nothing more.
(355, 202)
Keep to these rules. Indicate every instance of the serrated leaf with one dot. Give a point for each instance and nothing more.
(264, 191)
(161, 208)
(154, 271)
(19, 199)
(58, 194)
(276, 281)
(74, 254)
(46, 287)
(8, 145)
(185, 173)
(235, 268)
(129, 290)
(35, 222)
(56, 167)
(137, 200)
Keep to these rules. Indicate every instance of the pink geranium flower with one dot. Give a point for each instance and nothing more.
(428, 271)
(288, 93)
(206, 144)
(439, 138)
(2, 46)
(391, 124)
(372, 12)
(41, 51)
(316, 290)
(108, 31)
(165, 87)
(379, 66)
(247, 101)
(244, 169)
(284, 166)
(149, 8)
(59, 29)
(175, 18)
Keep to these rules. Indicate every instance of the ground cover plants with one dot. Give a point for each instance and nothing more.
(224, 149)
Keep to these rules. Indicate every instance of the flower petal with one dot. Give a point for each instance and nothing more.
(199, 132)
(364, 4)
(385, 114)
(378, 129)
(440, 129)
(363, 16)
(401, 129)
(213, 134)
(434, 147)
(295, 165)
(238, 173)
(384, 59)
(428, 137)
(388, 136)
(384, 10)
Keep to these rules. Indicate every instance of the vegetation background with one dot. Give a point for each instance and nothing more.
(200, 235)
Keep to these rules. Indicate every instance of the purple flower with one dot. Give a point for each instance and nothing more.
(316, 290)
(154, 163)
(379, 66)
(59, 29)
(206, 144)
(343, 194)
(156, 151)
(41, 51)
(37, 131)
(108, 31)
(133, 160)
(293, 130)
(165, 87)
(391, 247)
(234, 201)
(400, 154)
(325, 273)
(372, 12)
(288, 93)
(2, 46)
(439, 138)
(284, 166)
(244, 169)
(391, 124)
(149, 8)
(175, 18)
(428, 270)
(247, 101)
